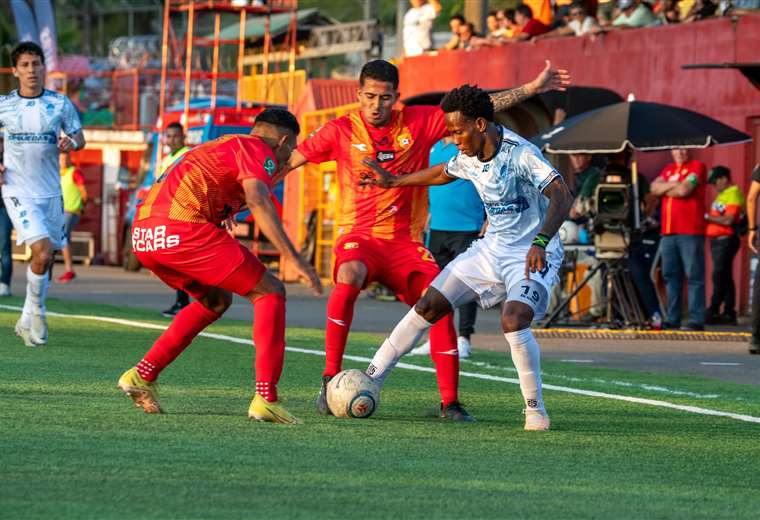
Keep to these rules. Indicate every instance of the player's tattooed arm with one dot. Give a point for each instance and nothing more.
(560, 202)
(265, 214)
(548, 79)
(382, 178)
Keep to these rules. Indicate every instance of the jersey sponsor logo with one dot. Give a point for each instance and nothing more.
(510, 207)
(360, 146)
(152, 239)
(32, 137)
(385, 156)
(269, 166)
(350, 245)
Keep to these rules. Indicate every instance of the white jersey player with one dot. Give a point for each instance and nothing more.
(32, 119)
(518, 259)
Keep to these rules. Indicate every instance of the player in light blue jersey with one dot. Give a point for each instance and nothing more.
(32, 119)
(518, 259)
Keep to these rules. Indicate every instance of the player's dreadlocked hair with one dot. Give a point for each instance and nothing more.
(379, 70)
(470, 101)
(281, 118)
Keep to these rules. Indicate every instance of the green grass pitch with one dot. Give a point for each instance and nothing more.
(74, 447)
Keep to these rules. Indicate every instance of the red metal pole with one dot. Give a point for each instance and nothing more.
(215, 64)
(188, 59)
(241, 51)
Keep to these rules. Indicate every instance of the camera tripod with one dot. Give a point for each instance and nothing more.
(624, 307)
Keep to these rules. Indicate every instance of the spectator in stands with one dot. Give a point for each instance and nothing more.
(667, 12)
(492, 24)
(455, 23)
(528, 26)
(74, 199)
(681, 186)
(699, 10)
(580, 24)
(467, 36)
(418, 26)
(561, 13)
(754, 192)
(6, 260)
(507, 22)
(605, 12)
(633, 14)
(724, 220)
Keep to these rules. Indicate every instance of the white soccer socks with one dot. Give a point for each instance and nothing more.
(401, 341)
(526, 356)
(36, 293)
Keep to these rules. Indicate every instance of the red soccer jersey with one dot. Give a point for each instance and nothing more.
(686, 215)
(206, 184)
(402, 146)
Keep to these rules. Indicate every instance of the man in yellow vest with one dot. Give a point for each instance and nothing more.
(174, 139)
(74, 199)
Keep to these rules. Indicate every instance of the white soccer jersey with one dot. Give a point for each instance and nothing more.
(31, 128)
(510, 186)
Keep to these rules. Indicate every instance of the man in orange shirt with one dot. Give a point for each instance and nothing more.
(178, 234)
(681, 185)
(380, 231)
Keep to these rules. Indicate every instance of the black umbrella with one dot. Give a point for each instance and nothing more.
(638, 125)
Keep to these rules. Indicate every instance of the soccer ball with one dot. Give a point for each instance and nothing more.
(569, 232)
(352, 393)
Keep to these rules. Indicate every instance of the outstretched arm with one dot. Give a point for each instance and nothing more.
(264, 213)
(548, 79)
(384, 179)
(560, 201)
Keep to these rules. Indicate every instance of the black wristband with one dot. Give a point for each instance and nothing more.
(541, 241)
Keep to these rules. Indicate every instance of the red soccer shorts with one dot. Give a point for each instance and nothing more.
(195, 257)
(404, 266)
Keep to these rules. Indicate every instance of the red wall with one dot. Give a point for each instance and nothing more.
(645, 62)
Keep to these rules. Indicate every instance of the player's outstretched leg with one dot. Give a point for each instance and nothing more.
(526, 356)
(268, 298)
(340, 314)
(140, 382)
(32, 326)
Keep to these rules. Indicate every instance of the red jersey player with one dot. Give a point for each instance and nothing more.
(178, 234)
(380, 232)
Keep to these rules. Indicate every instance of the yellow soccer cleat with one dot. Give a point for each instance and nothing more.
(143, 393)
(263, 410)
(536, 420)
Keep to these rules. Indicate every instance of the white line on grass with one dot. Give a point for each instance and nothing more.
(487, 377)
(716, 364)
(577, 360)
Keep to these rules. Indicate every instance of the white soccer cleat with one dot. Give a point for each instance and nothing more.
(464, 347)
(5, 290)
(25, 333)
(422, 350)
(536, 420)
(38, 332)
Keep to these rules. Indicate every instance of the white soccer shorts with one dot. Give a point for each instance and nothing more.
(37, 218)
(493, 274)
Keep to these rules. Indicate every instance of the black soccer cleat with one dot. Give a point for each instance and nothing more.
(454, 411)
(321, 403)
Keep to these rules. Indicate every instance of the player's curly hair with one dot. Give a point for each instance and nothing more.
(470, 101)
(279, 117)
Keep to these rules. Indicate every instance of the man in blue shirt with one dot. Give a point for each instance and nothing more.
(456, 220)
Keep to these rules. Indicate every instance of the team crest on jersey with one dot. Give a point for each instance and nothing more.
(385, 156)
(404, 140)
(350, 245)
(269, 166)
